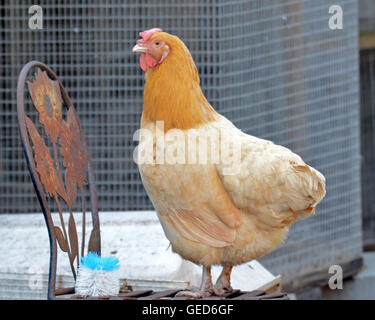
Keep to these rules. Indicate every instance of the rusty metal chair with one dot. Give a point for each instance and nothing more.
(60, 181)
(51, 179)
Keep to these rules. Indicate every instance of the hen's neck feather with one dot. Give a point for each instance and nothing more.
(173, 94)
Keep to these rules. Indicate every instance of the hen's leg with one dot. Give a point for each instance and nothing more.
(222, 285)
(206, 289)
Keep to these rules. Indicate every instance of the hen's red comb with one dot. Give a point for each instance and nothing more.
(147, 34)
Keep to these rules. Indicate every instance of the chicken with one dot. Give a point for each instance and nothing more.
(227, 199)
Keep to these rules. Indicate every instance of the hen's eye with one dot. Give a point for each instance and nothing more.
(157, 43)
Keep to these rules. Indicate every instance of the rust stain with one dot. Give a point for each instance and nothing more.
(74, 154)
(46, 97)
(44, 163)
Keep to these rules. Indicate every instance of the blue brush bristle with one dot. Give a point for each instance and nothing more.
(95, 262)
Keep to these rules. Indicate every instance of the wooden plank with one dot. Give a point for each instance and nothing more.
(97, 298)
(274, 285)
(246, 297)
(281, 298)
(121, 298)
(170, 295)
(272, 295)
(212, 298)
(160, 294)
(62, 291)
(232, 294)
(252, 295)
(134, 294)
(76, 297)
(182, 298)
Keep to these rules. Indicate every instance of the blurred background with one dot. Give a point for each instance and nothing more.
(274, 68)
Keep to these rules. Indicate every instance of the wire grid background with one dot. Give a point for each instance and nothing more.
(273, 67)
(367, 65)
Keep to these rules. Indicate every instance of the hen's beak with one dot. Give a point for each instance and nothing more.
(139, 48)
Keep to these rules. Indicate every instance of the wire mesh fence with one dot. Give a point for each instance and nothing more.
(273, 67)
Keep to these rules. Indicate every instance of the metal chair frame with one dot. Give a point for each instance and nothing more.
(54, 238)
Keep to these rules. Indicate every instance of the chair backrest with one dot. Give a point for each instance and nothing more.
(59, 165)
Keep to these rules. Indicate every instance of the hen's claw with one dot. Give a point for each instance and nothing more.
(222, 291)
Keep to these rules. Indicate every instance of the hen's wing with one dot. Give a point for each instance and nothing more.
(271, 180)
(193, 200)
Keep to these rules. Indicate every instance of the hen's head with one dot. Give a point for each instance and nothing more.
(170, 68)
(153, 49)
(156, 46)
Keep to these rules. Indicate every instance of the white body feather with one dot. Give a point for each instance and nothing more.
(211, 217)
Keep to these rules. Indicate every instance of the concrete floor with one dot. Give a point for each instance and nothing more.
(135, 238)
(360, 287)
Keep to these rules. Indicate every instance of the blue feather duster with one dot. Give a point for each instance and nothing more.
(95, 262)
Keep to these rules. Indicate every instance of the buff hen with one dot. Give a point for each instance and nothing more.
(223, 197)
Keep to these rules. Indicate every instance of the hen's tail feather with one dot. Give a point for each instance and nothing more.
(316, 188)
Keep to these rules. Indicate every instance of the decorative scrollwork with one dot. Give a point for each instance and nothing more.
(51, 181)
(46, 97)
(74, 154)
(55, 179)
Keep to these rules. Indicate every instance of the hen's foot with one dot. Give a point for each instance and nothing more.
(223, 290)
(222, 286)
(207, 289)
